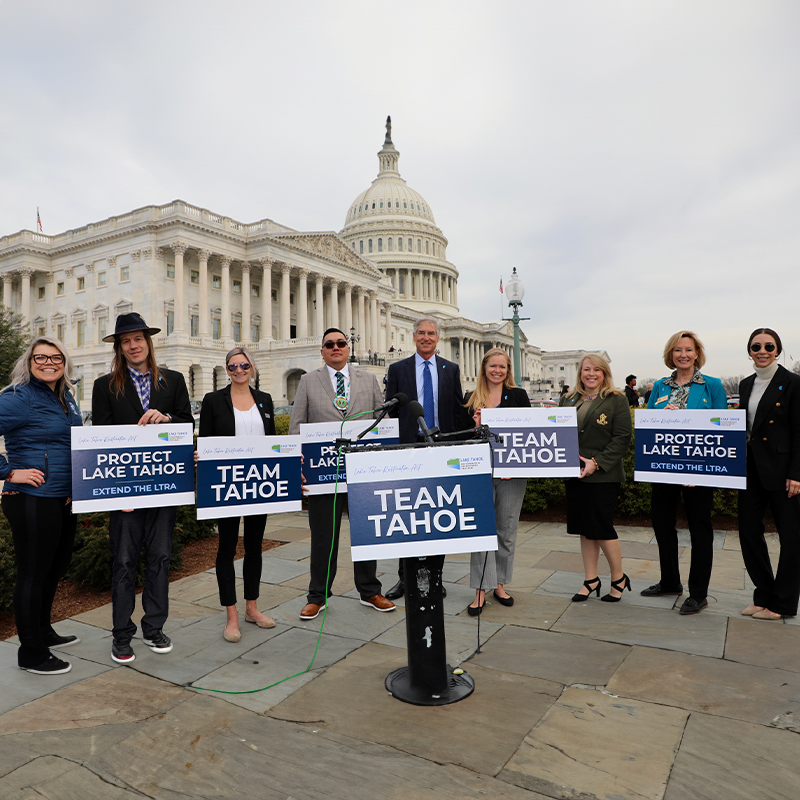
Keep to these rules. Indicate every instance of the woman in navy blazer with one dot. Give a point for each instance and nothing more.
(771, 398)
(496, 389)
(239, 410)
(686, 388)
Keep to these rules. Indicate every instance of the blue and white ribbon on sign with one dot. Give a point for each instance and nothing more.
(117, 467)
(697, 447)
(319, 450)
(253, 475)
(421, 501)
(535, 442)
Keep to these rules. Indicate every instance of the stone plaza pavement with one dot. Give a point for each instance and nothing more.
(572, 700)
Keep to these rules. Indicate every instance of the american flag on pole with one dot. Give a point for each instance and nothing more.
(501, 286)
(39, 220)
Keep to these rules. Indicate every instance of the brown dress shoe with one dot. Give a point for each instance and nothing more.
(311, 610)
(379, 603)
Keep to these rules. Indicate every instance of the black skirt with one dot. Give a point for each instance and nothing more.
(590, 509)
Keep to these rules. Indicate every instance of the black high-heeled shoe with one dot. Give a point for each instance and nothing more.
(621, 585)
(577, 598)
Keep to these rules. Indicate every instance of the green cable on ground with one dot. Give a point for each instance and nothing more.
(327, 579)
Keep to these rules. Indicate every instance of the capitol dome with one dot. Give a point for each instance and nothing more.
(393, 226)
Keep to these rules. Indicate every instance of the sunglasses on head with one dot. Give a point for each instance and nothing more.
(340, 343)
(41, 358)
(244, 366)
(756, 346)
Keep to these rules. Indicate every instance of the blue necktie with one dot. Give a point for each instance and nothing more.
(427, 394)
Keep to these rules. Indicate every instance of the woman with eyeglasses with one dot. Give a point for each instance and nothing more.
(37, 411)
(685, 388)
(239, 410)
(771, 398)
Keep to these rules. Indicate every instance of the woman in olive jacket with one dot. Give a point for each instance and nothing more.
(604, 432)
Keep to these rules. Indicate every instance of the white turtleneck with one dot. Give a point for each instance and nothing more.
(764, 376)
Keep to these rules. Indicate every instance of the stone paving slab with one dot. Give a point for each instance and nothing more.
(641, 550)
(293, 551)
(728, 602)
(725, 758)
(554, 539)
(566, 584)
(526, 579)
(724, 688)
(685, 538)
(568, 562)
(195, 588)
(273, 569)
(109, 698)
(751, 641)
(480, 732)
(284, 656)
(530, 556)
(178, 612)
(461, 637)
(18, 687)
(529, 610)
(345, 617)
(567, 755)
(558, 657)
(269, 596)
(627, 624)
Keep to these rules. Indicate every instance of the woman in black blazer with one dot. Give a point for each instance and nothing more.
(496, 389)
(771, 398)
(239, 410)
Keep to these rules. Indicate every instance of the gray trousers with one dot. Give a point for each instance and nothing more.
(508, 497)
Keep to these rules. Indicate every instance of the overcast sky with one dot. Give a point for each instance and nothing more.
(638, 162)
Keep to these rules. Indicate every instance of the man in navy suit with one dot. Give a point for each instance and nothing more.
(436, 383)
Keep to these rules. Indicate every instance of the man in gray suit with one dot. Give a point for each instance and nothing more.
(329, 394)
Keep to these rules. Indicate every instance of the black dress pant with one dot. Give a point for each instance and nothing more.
(324, 533)
(697, 501)
(128, 531)
(251, 569)
(779, 592)
(43, 530)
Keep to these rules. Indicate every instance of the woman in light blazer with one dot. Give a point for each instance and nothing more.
(604, 433)
(686, 388)
(239, 410)
(771, 398)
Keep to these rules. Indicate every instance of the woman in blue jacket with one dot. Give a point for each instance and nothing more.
(686, 388)
(37, 411)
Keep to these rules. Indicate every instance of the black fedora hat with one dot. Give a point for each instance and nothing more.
(126, 323)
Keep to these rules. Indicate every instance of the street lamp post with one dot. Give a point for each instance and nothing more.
(353, 340)
(515, 291)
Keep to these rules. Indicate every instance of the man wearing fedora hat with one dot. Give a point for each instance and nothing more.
(138, 392)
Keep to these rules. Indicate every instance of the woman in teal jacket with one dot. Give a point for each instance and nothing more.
(686, 388)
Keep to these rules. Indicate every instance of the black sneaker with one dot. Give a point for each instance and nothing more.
(52, 639)
(52, 666)
(158, 642)
(122, 652)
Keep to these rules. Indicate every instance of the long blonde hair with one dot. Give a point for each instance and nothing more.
(607, 389)
(480, 397)
(21, 374)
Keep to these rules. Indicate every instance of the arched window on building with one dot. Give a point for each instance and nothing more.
(390, 243)
(380, 245)
(400, 243)
(410, 245)
(370, 246)
(362, 247)
(419, 245)
(426, 248)
(401, 284)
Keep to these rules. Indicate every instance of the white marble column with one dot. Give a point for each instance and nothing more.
(334, 303)
(179, 311)
(455, 293)
(388, 336)
(246, 324)
(362, 318)
(319, 296)
(266, 298)
(285, 309)
(302, 304)
(7, 279)
(348, 307)
(203, 311)
(373, 321)
(25, 296)
(461, 362)
(225, 305)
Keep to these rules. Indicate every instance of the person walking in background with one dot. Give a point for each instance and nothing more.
(436, 383)
(771, 398)
(686, 388)
(496, 389)
(604, 432)
(630, 391)
(37, 411)
(239, 410)
(328, 394)
(138, 392)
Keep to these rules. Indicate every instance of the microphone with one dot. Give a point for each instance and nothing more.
(418, 412)
(398, 401)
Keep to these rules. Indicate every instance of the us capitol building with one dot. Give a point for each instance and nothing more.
(210, 282)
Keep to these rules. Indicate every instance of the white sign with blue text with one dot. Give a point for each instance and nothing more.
(321, 461)
(421, 501)
(534, 442)
(237, 476)
(695, 447)
(120, 467)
